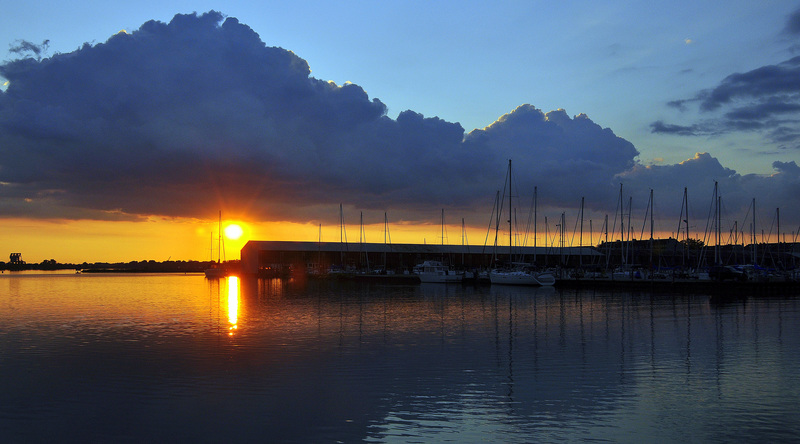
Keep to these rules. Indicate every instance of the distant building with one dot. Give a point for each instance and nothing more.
(14, 259)
(282, 257)
(279, 257)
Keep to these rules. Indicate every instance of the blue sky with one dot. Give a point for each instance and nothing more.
(644, 87)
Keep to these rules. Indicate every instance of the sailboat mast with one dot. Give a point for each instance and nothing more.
(651, 227)
(546, 240)
(442, 235)
(608, 247)
(510, 240)
(591, 235)
(716, 227)
(535, 210)
(342, 235)
(719, 228)
(621, 227)
(686, 203)
(778, 216)
(385, 234)
(219, 237)
(362, 238)
(580, 242)
(630, 230)
(442, 229)
(496, 224)
(463, 239)
(561, 240)
(755, 249)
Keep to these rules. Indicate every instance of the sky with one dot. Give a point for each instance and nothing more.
(125, 129)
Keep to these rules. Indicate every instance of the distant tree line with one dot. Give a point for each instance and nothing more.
(145, 266)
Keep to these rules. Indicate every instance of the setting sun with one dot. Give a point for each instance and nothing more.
(233, 231)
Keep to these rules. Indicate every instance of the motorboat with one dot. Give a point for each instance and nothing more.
(521, 277)
(436, 272)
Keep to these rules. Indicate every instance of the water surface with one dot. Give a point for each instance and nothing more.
(133, 358)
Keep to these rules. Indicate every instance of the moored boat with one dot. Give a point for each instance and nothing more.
(521, 277)
(217, 270)
(517, 273)
(436, 272)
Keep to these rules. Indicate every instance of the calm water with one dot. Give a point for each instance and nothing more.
(138, 358)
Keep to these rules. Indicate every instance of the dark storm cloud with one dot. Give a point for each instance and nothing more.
(793, 23)
(764, 83)
(21, 47)
(697, 175)
(565, 158)
(177, 119)
(784, 134)
(772, 107)
(186, 117)
(766, 99)
(680, 104)
(681, 130)
(146, 122)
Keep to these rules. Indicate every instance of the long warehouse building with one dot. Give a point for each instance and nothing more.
(282, 257)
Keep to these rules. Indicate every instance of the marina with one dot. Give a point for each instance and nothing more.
(633, 278)
(627, 261)
(570, 266)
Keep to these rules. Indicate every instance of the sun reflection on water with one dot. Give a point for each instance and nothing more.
(233, 304)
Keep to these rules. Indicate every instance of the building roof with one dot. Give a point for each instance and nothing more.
(412, 248)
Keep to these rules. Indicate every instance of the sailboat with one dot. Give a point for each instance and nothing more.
(517, 273)
(217, 270)
(435, 271)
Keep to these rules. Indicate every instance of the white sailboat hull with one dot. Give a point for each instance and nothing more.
(440, 278)
(521, 278)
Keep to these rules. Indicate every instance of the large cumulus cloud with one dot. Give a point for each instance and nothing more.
(176, 119)
(183, 118)
(697, 175)
(566, 158)
(148, 121)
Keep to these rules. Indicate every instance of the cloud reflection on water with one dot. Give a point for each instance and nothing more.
(328, 361)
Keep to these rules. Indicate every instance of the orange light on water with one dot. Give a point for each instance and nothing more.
(233, 304)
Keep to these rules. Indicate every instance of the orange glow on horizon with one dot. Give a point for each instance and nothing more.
(162, 239)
